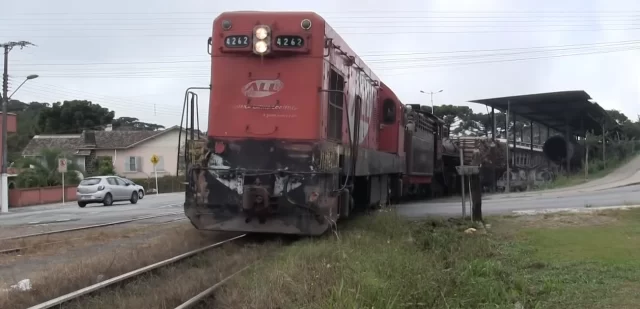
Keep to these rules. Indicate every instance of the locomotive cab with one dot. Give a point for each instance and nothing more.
(265, 71)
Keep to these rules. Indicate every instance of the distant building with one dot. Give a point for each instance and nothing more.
(130, 151)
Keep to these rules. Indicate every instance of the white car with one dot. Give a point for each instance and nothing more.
(137, 186)
(105, 190)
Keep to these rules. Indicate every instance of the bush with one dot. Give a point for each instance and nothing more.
(166, 184)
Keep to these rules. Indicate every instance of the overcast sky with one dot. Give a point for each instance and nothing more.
(138, 57)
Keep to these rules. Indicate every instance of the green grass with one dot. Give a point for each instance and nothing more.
(381, 261)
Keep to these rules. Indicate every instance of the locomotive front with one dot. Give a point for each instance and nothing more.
(262, 168)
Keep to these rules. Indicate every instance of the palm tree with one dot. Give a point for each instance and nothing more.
(43, 170)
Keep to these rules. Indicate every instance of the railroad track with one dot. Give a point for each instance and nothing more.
(90, 226)
(56, 302)
(22, 248)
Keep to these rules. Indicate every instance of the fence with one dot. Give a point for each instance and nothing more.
(48, 195)
(37, 196)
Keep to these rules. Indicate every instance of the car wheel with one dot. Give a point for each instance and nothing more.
(82, 204)
(108, 200)
(134, 197)
(140, 194)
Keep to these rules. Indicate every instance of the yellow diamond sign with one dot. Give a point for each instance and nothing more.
(154, 159)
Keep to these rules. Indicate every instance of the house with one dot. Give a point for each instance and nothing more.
(130, 151)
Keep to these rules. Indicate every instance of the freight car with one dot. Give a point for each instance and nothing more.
(300, 131)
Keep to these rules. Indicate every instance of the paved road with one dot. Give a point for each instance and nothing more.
(628, 174)
(71, 214)
(624, 196)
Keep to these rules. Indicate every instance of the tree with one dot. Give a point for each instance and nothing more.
(134, 124)
(630, 128)
(43, 172)
(105, 166)
(73, 117)
(26, 127)
(618, 116)
(449, 114)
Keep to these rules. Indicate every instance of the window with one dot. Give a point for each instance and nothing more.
(132, 164)
(112, 181)
(335, 107)
(388, 111)
(120, 182)
(90, 181)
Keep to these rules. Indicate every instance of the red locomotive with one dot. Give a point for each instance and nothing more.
(301, 131)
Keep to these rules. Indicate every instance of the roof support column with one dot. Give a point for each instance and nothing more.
(568, 137)
(493, 138)
(531, 135)
(493, 121)
(604, 146)
(539, 135)
(515, 133)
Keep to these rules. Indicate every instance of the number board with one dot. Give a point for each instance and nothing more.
(289, 41)
(235, 41)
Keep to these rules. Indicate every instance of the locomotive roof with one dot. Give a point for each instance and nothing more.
(329, 32)
(550, 109)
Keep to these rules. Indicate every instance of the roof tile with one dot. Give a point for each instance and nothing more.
(103, 140)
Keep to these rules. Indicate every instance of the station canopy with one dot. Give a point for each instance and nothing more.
(553, 109)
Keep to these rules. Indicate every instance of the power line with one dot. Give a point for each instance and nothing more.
(397, 33)
(418, 66)
(119, 102)
(365, 55)
(375, 58)
(500, 54)
(395, 26)
(323, 13)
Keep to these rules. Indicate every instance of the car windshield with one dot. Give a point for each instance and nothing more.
(90, 181)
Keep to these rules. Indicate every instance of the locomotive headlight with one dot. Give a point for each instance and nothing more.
(261, 47)
(262, 33)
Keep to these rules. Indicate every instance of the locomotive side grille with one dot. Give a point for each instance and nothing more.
(336, 103)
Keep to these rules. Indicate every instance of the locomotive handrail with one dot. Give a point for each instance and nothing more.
(184, 106)
(352, 167)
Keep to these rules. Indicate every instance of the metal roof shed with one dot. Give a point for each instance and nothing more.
(555, 109)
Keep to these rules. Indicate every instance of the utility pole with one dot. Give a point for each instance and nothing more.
(8, 46)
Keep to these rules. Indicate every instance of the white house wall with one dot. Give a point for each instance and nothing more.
(165, 146)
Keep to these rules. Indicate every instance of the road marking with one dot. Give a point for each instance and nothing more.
(571, 210)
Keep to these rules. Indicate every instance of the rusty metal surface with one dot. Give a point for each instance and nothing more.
(268, 186)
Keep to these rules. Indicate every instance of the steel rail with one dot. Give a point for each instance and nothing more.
(18, 249)
(90, 226)
(92, 288)
(198, 298)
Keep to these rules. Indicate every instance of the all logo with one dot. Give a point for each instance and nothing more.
(262, 88)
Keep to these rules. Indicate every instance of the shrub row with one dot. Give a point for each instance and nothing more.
(166, 184)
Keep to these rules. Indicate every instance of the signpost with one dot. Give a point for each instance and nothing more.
(469, 171)
(62, 169)
(154, 161)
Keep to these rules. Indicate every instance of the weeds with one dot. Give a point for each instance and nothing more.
(98, 265)
(382, 261)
